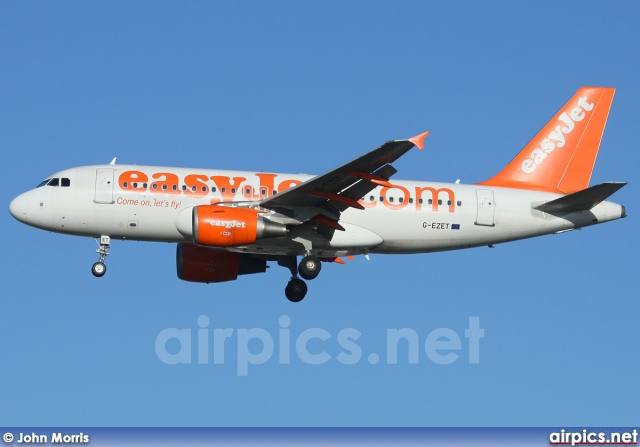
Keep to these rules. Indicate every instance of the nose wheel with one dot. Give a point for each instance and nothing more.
(100, 268)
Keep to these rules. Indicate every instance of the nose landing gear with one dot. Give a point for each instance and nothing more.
(99, 268)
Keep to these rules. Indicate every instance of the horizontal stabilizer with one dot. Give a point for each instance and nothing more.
(582, 200)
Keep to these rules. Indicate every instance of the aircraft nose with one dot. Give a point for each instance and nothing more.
(18, 208)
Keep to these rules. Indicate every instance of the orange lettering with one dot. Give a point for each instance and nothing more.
(434, 197)
(195, 185)
(227, 189)
(250, 193)
(286, 184)
(127, 179)
(169, 184)
(267, 184)
(368, 204)
(394, 206)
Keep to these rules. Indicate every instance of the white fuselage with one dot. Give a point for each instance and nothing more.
(410, 217)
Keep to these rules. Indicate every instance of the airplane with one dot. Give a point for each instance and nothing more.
(232, 223)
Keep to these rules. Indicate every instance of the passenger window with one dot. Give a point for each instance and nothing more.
(144, 185)
(420, 201)
(174, 187)
(134, 184)
(459, 203)
(371, 198)
(430, 202)
(381, 199)
(449, 202)
(213, 189)
(66, 182)
(204, 189)
(275, 192)
(193, 188)
(410, 199)
(54, 182)
(439, 202)
(248, 191)
(401, 199)
(263, 192)
(184, 187)
(125, 185)
(155, 186)
(391, 199)
(233, 190)
(164, 187)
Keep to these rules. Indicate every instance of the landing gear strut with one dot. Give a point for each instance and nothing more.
(99, 268)
(308, 268)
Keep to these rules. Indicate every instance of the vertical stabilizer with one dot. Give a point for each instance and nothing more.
(560, 158)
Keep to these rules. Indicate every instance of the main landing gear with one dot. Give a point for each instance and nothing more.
(99, 268)
(308, 268)
(295, 290)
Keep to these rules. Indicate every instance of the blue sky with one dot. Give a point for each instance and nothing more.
(304, 87)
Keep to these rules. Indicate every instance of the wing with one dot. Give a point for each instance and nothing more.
(324, 197)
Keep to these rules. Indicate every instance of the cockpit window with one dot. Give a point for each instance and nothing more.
(55, 182)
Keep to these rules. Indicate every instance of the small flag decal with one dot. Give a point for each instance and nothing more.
(455, 226)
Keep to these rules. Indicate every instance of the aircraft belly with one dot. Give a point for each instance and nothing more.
(135, 223)
(409, 231)
(354, 237)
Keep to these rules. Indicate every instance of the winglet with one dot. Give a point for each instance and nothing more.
(418, 140)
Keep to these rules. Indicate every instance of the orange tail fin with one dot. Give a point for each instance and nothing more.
(561, 157)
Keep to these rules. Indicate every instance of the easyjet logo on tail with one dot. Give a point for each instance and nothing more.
(556, 138)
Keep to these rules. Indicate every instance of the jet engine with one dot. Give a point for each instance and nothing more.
(222, 226)
(203, 264)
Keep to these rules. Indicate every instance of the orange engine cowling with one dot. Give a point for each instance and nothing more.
(202, 264)
(222, 226)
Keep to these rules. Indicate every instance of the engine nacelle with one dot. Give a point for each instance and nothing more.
(202, 264)
(223, 226)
